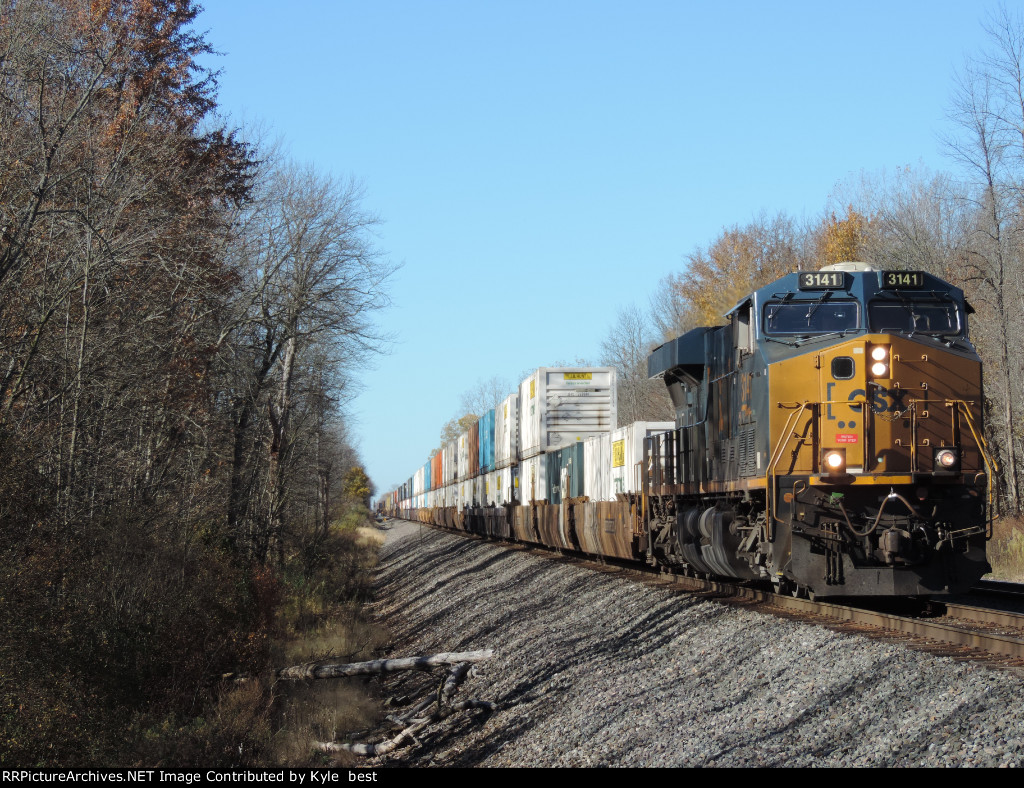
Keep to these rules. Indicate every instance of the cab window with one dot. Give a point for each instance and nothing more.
(810, 317)
(914, 317)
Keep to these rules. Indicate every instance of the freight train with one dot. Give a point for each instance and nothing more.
(827, 440)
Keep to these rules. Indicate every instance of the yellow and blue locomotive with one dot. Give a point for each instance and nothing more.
(828, 439)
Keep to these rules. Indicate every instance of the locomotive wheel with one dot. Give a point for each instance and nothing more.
(802, 592)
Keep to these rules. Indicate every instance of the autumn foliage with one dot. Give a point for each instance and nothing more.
(162, 474)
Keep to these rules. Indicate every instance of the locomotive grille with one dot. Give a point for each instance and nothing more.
(748, 454)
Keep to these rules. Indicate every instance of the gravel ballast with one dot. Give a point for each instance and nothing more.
(595, 669)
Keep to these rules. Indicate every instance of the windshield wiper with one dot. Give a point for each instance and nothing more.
(840, 334)
(781, 341)
(814, 307)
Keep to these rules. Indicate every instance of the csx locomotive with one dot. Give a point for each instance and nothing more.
(827, 439)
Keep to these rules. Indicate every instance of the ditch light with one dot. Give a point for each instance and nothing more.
(833, 462)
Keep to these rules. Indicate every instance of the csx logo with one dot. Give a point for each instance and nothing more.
(882, 400)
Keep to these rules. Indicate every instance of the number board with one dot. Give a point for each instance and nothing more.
(822, 280)
(903, 280)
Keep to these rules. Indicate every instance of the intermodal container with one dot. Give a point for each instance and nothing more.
(597, 454)
(507, 485)
(487, 442)
(533, 479)
(450, 463)
(565, 476)
(628, 454)
(563, 405)
(506, 432)
(474, 449)
(436, 475)
(463, 457)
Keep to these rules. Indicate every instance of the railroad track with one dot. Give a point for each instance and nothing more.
(952, 629)
(955, 629)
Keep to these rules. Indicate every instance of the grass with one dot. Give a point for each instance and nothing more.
(319, 617)
(322, 619)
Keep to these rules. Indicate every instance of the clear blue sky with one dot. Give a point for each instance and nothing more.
(540, 164)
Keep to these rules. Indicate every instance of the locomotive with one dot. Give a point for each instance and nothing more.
(827, 440)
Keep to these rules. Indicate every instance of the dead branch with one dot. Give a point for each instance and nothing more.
(315, 670)
(381, 748)
(456, 676)
(415, 719)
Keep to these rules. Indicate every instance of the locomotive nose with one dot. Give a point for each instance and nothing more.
(843, 374)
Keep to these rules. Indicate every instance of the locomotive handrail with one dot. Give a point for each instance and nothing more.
(991, 466)
(637, 498)
(784, 439)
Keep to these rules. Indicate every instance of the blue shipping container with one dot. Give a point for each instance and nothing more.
(487, 442)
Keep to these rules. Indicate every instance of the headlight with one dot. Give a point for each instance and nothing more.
(880, 361)
(947, 459)
(833, 461)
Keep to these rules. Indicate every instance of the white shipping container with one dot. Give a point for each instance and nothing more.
(533, 479)
(597, 465)
(507, 485)
(418, 479)
(627, 454)
(462, 469)
(562, 405)
(491, 481)
(506, 432)
(449, 461)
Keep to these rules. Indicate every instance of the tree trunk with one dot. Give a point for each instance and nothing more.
(333, 671)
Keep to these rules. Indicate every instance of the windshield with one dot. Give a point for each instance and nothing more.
(914, 317)
(810, 317)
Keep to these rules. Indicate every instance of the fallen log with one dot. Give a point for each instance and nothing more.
(388, 745)
(380, 748)
(319, 670)
(415, 719)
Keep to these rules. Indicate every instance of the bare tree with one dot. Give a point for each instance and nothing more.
(671, 313)
(627, 347)
(990, 113)
(919, 220)
(485, 395)
(313, 278)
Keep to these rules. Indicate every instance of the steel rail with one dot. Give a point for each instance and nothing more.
(994, 643)
(930, 630)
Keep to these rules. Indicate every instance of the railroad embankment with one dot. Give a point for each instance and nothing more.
(593, 669)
